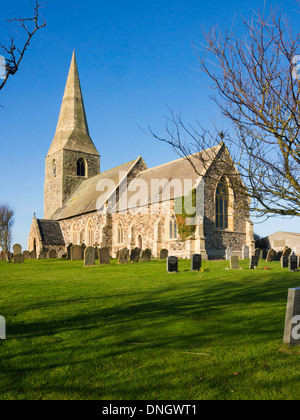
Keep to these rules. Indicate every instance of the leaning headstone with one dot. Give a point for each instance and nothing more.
(245, 252)
(69, 251)
(172, 264)
(292, 317)
(89, 256)
(254, 260)
(234, 262)
(26, 255)
(228, 253)
(135, 255)
(123, 256)
(146, 255)
(293, 262)
(52, 254)
(104, 257)
(18, 258)
(284, 262)
(287, 252)
(271, 255)
(278, 256)
(196, 262)
(17, 249)
(76, 252)
(163, 254)
(257, 252)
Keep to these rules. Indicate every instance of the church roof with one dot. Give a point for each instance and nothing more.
(72, 132)
(50, 231)
(87, 198)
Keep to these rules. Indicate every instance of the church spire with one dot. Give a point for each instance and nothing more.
(72, 131)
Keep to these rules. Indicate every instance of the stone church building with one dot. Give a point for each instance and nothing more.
(78, 196)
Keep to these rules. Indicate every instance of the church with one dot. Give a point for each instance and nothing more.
(132, 205)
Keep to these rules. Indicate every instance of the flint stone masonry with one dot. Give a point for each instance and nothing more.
(292, 318)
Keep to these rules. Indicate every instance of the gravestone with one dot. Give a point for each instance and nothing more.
(76, 252)
(271, 255)
(257, 252)
(228, 253)
(278, 256)
(163, 254)
(245, 252)
(26, 255)
(135, 255)
(3, 255)
(292, 317)
(123, 256)
(104, 257)
(146, 255)
(17, 249)
(96, 252)
(89, 256)
(42, 255)
(234, 262)
(18, 258)
(69, 251)
(254, 260)
(32, 255)
(287, 252)
(61, 254)
(83, 247)
(196, 261)
(293, 262)
(172, 264)
(51, 255)
(284, 262)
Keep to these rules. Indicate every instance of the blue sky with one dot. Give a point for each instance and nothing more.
(135, 59)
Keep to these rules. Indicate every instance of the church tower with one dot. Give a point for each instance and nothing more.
(72, 156)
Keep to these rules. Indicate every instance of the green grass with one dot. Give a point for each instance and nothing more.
(136, 332)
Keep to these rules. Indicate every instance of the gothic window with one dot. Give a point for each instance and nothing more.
(173, 227)
(75, 235)
(120, 233)
(221, 204)
(90, 234)
(81, 170)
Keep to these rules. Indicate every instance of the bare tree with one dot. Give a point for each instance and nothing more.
(14, 54)
(6, 225)
(258, 92)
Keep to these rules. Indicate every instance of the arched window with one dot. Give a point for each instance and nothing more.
(221, 204)
(173, 227)
(90, 234)
(75, 235)
(120, 233)
(81, 170)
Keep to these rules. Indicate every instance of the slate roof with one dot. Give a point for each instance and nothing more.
(50, 231)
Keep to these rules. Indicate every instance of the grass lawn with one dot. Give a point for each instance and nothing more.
(135, 332)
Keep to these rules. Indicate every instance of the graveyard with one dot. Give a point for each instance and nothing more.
(82, 329)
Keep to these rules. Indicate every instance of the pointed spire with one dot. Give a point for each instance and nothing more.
(72, 131)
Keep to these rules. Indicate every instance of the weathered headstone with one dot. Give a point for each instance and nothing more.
(172, 264)
(89, 256)
(287, 252)
(52, 254)
(135, 255)
(278, 256)
(234, 262)
(83, 247)
(76, 252)
(293, 262)
(17, 249)
(96, 249)
(18, 258)
(104, 257)
(196, 261)
(254, 260)
(245, 252)
(42, 255)
(257, 252)
(32, 255)
(228, 253)
(26, 255)
(3, 256)
(123, 256)
(271, 255)
(69, 251)
(163, 254)
(284, 262)
(146, 255)
(292, 317)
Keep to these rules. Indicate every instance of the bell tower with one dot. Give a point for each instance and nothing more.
(72, 156)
